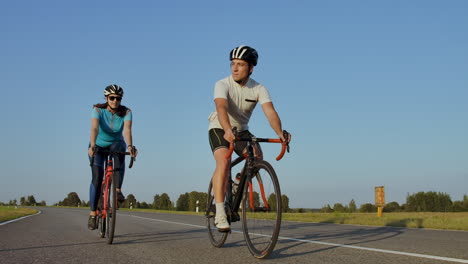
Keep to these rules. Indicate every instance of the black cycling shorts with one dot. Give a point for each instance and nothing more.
(216, 137)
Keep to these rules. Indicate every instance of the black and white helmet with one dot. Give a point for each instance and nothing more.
(246, 53)
(113, 89)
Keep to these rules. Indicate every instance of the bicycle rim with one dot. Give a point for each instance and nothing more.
(261, 210)
(101, 226)
(111, 211)
(101, 222)
(217, 238)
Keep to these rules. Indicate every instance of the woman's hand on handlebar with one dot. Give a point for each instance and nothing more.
(91, 151)
(133, 151)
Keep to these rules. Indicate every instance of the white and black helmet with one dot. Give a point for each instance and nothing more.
(246, 53)
(113, 89)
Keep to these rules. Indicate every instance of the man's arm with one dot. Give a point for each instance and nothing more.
(273, 118)
(221, 109)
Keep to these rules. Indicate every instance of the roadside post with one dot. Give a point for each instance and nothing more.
(380, 199)
(197, 205)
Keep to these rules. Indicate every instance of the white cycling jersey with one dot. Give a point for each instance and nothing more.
(241, 101)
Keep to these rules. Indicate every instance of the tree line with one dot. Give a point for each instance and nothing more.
(417, 202)
(188, 201)
(24, 201)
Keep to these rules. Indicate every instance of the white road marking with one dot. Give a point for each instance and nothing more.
(17, 219)
(327, 244)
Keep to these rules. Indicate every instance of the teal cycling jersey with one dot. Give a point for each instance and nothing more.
(110, 126)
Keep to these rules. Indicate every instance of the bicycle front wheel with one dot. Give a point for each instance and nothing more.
(217, 238)
(111, 211)
(101, 222)
(261, 210)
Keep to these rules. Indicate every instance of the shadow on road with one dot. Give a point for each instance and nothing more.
(149, 237)
(52, 246)
(352, 237)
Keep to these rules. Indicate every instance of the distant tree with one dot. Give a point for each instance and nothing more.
(465, 202)
(13, 202)
(392, 207)
(183, 202)
(326, 209)
(86, 204)
(42, 203)
(201, 197)
(22, 201)
(338, 207)
(429, 202)
(144, 205)
(256, 199)
(130, 201)
(165, 203)
(272, 201)
(31, 200)
(458, 206)
(285, 203)
(156, 202)
(352, 206)
(367, 208)
(72, 199)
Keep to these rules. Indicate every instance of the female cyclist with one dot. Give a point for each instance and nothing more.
(111, 122)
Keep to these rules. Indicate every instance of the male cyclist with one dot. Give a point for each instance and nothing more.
(235, 98)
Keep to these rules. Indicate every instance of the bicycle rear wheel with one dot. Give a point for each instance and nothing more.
(217, 238)
(111, 210)
(261, 210)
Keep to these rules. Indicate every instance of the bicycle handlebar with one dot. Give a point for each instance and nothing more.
(284, 145)
(97, 149)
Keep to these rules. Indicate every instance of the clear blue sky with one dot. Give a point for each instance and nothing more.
(374, 92)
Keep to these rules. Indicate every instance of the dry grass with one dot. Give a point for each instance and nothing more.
(449, 221)
(10, 213)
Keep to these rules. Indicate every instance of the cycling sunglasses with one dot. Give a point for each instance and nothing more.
(112, 98)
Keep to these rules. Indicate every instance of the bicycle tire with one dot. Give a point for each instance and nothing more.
(101, 227)
(262, 223)
(217, 238)
(101, 224)
(111, 214)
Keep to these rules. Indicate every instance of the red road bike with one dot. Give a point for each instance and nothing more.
(108, 205)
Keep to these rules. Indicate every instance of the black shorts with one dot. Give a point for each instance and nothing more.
(216, 137)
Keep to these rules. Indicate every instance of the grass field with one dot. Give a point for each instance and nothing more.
(436, 220)
(448, 221)
(10, 213)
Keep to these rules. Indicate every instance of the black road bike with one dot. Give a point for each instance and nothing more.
(256, 192)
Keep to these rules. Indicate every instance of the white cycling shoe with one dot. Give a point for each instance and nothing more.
(222, 224)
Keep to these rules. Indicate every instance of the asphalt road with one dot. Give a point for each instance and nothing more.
(60, 235)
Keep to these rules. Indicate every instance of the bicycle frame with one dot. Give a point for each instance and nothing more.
(106, 181)
(246, 174)
(107, 205)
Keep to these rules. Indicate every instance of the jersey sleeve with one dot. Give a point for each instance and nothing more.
(263, 95)
(95, 113)
(128, 116)
(221, 90)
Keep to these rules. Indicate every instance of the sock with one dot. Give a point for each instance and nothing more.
(220, 209)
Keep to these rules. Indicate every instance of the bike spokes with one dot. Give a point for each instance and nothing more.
(261, 211)
(217, 238)
(111, 211)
